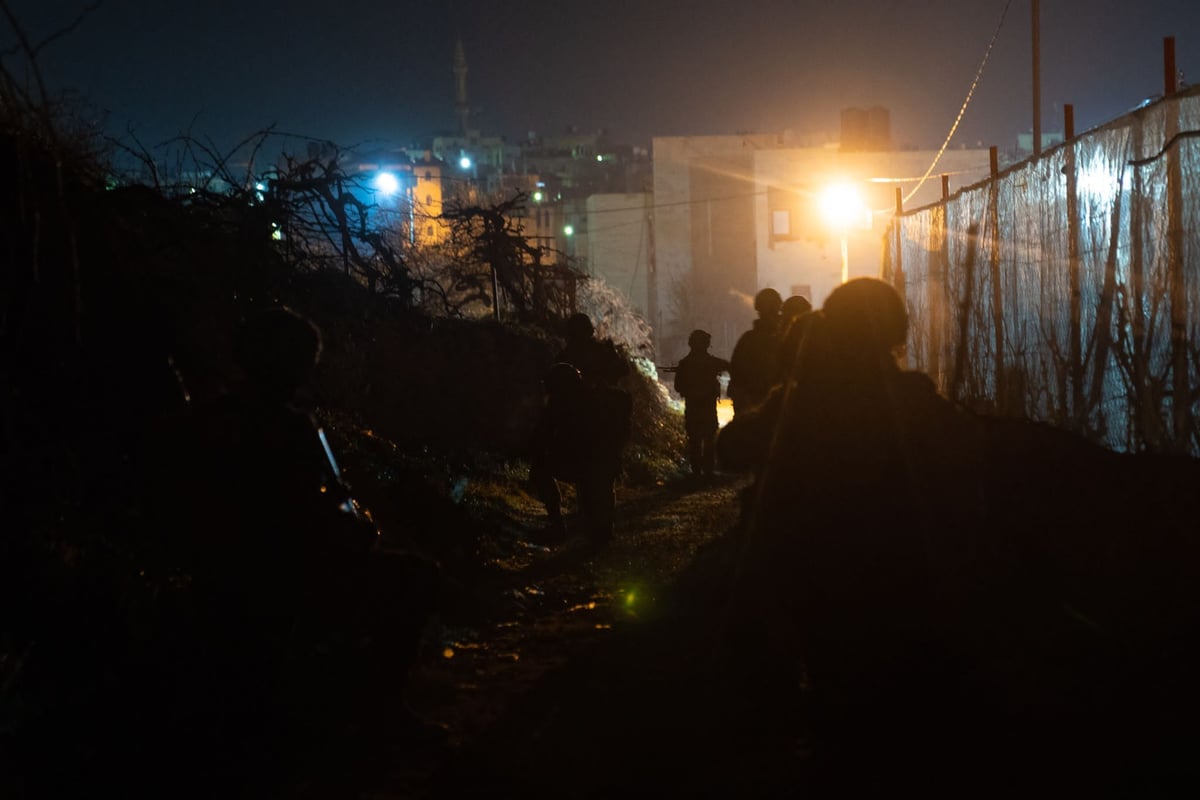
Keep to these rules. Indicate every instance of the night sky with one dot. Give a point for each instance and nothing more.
(380, 70)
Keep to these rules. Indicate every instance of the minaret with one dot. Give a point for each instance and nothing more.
(460, 87)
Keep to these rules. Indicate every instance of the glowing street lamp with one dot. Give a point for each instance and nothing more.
(387, 183)
(465, 162)
(841, 208)
(568, 230)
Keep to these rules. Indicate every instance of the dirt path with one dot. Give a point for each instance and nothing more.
(548, 608)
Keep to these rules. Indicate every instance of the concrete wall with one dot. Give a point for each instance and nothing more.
(704, 238)
(618, 243)
(715, 237)
(810, 254)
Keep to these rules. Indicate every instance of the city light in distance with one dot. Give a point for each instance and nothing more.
(569, 230)
(387, 183)
(465, 162)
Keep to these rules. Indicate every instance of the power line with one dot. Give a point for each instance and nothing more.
(963, 109)
(632, 209)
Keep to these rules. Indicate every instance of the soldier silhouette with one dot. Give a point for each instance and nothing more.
(753, 366)
(282, 563)
(598, 360)
(791, 329)
(696, 380)
(579, 439)
(874, 581)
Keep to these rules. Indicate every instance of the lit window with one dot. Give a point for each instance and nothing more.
(781, 222)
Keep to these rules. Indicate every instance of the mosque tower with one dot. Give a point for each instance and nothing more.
(460, 88)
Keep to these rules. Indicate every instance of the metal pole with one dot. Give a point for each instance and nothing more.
(1170, 75)
(1037, 77)
(1001, 395)
(899, 266)
(1074, 285)
(1177, 293)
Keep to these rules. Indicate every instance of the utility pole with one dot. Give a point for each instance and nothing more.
(1037, 77)
(652, 276)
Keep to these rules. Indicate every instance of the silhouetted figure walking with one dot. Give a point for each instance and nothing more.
(599, 361)
(696, 380)
(579, 439)
(753, 367)
(791, 329)
(291, 590)
(875, 577)
(744, 443)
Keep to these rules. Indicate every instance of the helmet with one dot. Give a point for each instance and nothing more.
(794, 306)
(579, 327)
(699, 338)
(562, 378)
(767, 302)
(868, 313)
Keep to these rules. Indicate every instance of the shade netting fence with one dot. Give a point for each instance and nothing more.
(1067, 287)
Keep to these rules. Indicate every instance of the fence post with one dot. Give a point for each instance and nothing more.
(937, 228)
(899, 276)
(1170, 75)
(958, 375)
(1074, 300)
(1181, 412)
(944, 271)
(936, 290)
(994, 269)
(1145, 408)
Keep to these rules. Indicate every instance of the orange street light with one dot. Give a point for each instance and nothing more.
(842, 207)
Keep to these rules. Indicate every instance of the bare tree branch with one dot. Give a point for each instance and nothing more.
(69, 27)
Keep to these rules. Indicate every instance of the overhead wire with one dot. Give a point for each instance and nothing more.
(656, 206)
(963, 109)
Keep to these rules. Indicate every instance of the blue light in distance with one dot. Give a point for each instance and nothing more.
(387, 183)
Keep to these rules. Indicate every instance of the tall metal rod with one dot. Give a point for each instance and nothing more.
(1001, 395)
(901, 284)
(1037, 77)
(1177, 289)
(1074, 286)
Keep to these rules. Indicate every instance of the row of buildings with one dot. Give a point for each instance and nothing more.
(690, 229)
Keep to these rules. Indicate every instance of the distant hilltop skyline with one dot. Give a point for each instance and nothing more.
(378, 70)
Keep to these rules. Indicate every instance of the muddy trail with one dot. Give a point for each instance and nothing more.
(634, 669)
(595, 674)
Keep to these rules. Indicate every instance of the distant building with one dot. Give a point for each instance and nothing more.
(618, 243)
(866, 130)
(426, 200)
(585, 197)
(1049, 139)
(736, 214)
